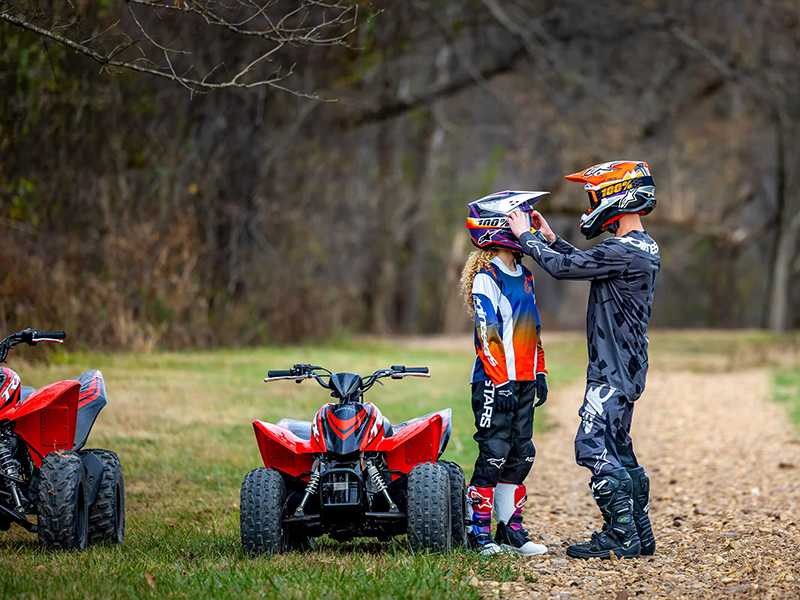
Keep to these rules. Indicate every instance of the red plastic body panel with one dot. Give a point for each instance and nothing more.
(47, 418)
(417, 443)
(283, 450)
(375, 433)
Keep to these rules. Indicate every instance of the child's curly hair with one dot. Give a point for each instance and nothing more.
(476, 261)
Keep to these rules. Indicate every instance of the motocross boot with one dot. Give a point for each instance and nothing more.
(613, 493)
(641, 507)
(480, 534)
(509, 498)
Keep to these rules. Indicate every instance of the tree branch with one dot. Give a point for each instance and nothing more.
(312, 23)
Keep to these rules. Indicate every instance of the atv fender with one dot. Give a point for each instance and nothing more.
(418, 441)
(283, 450)
(91, 400)
(47, 419)
(93, 468)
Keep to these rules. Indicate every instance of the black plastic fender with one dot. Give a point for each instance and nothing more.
(93, 468)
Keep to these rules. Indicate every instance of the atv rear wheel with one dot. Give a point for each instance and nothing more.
(61, 504)
(260, 511)
(429, 508)
(107, 514)
(458, 503)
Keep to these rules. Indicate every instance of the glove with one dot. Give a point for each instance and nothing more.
(541, 388)
(504, 397)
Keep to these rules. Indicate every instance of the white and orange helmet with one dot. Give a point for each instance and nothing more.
(615, 188)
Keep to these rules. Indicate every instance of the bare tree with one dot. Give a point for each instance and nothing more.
(165, 38)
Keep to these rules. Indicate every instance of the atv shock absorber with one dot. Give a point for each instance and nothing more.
(311, 488)
(378, 482)
(10, 467)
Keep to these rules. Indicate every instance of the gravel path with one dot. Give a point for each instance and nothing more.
(725, 472)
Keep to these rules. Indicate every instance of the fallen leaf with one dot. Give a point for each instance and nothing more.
(151, 581)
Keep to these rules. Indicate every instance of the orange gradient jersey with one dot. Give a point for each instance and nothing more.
(507, 325)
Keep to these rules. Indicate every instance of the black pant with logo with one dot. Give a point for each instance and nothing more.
(505, 448)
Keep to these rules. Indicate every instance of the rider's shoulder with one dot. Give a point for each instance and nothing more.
(635, 240)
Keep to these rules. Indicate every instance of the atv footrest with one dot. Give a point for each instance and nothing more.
(385, 515)
(301, 519)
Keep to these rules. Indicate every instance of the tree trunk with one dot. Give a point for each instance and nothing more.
(788, 215)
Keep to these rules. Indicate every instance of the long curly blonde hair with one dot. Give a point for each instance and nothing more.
(477, 260)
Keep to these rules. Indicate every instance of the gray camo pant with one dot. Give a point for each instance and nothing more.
(603, 442)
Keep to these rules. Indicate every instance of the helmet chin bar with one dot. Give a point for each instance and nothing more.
(612, 225)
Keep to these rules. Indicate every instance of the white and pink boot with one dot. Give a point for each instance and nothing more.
(509, 498)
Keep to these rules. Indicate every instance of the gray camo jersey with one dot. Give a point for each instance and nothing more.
(623, 272)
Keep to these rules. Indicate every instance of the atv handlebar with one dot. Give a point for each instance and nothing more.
(300, 372)
(58, 336)
(30, 337)
(279, 373)
(410, 370)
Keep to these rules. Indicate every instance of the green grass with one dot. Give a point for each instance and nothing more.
(786, 388)
(181, 424)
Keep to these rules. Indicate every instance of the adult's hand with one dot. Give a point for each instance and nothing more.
(518, 223)
(540, 223)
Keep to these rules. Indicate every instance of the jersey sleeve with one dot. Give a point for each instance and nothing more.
(563, 246)
(604, 261)
(540, 365)
(488, 341)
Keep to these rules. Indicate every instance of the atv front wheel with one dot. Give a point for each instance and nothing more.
(107, 514)
(61, 504)
(429, 508)
(458, 503)
(260, 511)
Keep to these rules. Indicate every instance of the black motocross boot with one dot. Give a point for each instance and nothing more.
(641, 506)
(613, 493)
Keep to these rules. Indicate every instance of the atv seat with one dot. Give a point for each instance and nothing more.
(302, 429)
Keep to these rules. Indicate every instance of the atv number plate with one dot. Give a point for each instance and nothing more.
(339, 486)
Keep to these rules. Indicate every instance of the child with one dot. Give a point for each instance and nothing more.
(623, 271)
(508, 375)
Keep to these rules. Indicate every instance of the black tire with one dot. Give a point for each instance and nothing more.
(107, 514)
(429, 508)
(458, 503)
(62, 511)
(260, 510)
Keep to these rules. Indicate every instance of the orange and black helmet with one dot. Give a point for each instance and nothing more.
(615, 188)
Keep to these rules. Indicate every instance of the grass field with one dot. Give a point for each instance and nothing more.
(786, 383)
(181, 424)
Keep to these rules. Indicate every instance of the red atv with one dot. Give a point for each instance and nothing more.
(77, 495)
(350, 473)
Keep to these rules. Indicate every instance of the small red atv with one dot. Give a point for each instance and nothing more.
(350, 473)
(78, 496)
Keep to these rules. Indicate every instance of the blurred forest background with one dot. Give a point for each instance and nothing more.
(135, 214)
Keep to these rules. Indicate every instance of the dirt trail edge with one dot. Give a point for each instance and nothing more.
(725, 472)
